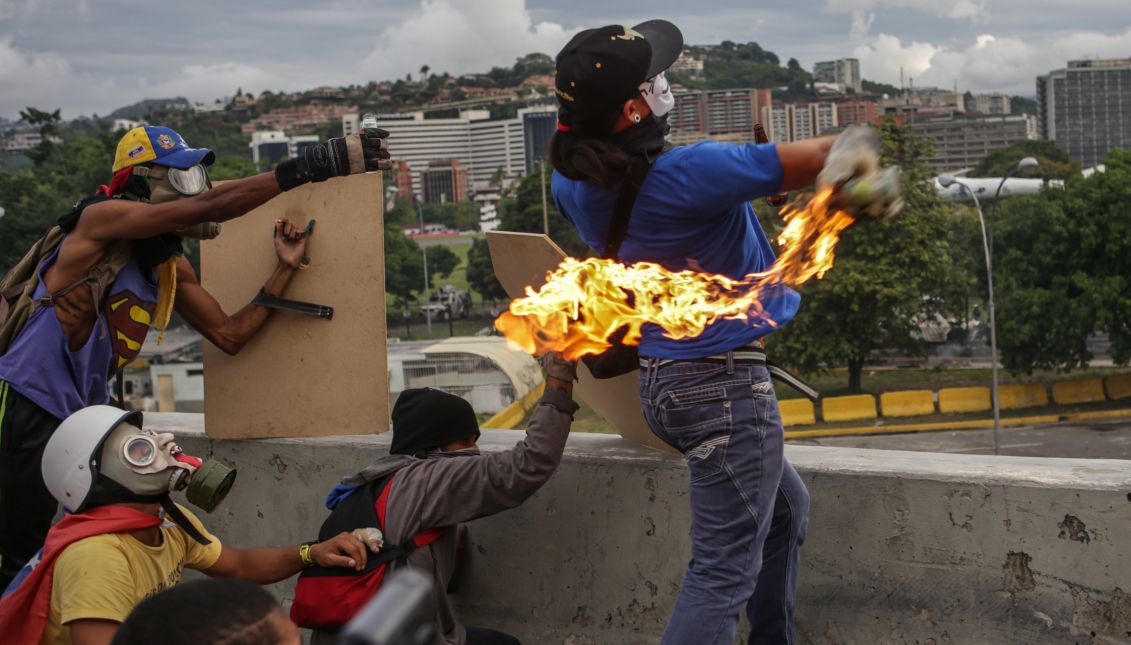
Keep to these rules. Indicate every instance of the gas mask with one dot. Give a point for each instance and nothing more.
(658, 95)
(169, 184)
(150, 465)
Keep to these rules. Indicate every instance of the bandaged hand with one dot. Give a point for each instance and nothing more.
(362, 152)
(855, 153)
(852, 170)
(558, 367)
(370, 537)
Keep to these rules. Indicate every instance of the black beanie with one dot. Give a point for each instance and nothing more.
(425, 419)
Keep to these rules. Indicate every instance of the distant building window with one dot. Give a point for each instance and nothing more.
(196, 372)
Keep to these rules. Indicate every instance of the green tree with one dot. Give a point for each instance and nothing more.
(47, 123)
(886, 275)
(1062, 271)
(524, 214)
(1022, 105)
(1054, 162)
(441, 262)
(481, 272)
(232, 167)
(404, 266)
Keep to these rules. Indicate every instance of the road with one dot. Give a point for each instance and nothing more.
(1100, 439)
(444, 240)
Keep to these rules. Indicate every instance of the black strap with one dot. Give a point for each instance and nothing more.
(618, 226)
(180, 520)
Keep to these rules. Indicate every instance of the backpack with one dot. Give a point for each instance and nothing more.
(328, 598)
(20, 283)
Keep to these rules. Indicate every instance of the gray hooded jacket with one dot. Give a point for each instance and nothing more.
(445, 489)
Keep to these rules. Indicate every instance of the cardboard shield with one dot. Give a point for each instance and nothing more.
(303, 375)
(524, 259)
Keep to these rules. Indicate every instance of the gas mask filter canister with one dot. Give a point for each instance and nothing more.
(147, 463)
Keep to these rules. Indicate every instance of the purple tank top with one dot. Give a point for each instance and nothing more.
(40, 365)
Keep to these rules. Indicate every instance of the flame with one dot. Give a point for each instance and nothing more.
(584, 303)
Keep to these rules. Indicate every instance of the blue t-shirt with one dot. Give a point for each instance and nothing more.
(693, 212)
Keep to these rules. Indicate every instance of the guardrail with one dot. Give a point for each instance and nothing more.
(953, 400)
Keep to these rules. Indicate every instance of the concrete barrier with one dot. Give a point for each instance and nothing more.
(1118, 386)
(797, 412)
(1089, 390)
(1022, 395)
(849, 408)
(907, 403)
(902, 547)
(964, 399)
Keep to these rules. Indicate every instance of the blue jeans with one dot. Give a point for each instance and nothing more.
(749, 509)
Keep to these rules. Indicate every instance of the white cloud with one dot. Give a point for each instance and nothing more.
(459, 37)
(974, 10)
(207, 82)
(39, 80)
(990, 63)
(48, 81)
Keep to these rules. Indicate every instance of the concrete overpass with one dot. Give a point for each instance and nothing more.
(903, 547)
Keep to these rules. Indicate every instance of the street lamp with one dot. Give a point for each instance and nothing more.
(946, 181)
(1025, 163)
(424, 253)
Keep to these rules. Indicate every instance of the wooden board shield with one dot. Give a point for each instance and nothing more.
(524, 259)
(303, 376)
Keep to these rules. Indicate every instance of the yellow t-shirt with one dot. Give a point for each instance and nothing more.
(106, 576)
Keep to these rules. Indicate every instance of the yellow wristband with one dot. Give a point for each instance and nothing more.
(304, 554)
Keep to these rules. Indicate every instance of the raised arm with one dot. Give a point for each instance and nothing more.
(231, 333)
(117, 219)
(802, 161)
(461, 489)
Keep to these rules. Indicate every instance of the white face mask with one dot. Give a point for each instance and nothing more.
(658, 94)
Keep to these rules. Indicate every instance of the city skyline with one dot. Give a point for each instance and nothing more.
(91, 56)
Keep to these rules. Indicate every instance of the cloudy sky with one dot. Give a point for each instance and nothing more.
(90, 56)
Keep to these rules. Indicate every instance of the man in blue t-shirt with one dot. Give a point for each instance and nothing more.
(709, 396)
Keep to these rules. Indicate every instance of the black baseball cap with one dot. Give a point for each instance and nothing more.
(599, 69)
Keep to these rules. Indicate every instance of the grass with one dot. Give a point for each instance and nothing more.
(458, 277)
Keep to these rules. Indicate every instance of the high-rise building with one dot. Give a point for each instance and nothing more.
(483, 146)
(923, 100)
(1086, 108)
(992, 103)
(537, 130)
(857, 112)
(961, 141)
(795, 122)
(444, 180)
(725, 115)
(271, 146)
(845, 71)
(402, 180)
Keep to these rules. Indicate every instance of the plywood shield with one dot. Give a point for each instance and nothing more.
(304, 376)
(524, 259)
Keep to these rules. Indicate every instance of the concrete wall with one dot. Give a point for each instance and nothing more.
(903, 547)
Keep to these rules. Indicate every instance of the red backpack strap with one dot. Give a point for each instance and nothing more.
(421, 539)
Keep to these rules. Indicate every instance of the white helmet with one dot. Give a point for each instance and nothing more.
(72, 457)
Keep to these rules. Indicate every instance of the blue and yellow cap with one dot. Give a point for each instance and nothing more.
(160, 144)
